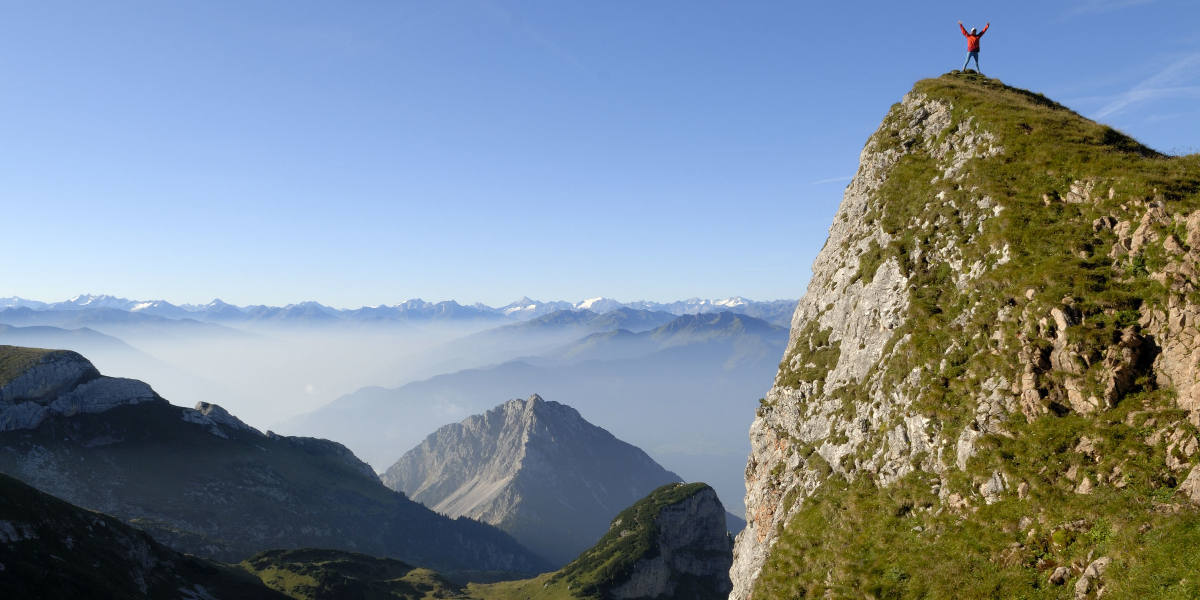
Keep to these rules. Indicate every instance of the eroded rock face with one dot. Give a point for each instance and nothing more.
(64, 383)
(1177, 327)
(930, 334)
(802, 430)
(692, 544)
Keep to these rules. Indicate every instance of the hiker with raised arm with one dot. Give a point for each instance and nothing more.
(973, 44)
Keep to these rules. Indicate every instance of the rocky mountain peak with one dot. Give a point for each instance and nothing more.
(530, 406)
(998, 337)
(532, 467)
(538, 410)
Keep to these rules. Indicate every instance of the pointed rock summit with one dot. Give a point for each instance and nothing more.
(997, 352)
(533, 468)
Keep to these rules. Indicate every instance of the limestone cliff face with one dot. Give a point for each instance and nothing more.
(533, 468)
(976, 285)
(860, 317)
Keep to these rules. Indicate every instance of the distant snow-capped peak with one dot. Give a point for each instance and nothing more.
(95, 301)
(731, 302)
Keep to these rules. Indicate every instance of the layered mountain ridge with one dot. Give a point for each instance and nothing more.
(19, 311)
(670, 544)
(990, 387)
(699, 372)
(202, 481)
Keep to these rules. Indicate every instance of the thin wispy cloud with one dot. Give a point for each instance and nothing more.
(1180, 79)
(833, 180)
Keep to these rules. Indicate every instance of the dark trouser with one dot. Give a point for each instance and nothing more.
(974, 55)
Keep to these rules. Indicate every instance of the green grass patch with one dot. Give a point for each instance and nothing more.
(818, 353)
(15, 360)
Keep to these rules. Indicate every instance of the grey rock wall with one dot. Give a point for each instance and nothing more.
(802, 428)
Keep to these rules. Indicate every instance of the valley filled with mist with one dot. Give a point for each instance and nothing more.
(675, 379)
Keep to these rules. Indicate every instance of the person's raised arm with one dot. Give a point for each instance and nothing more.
(985, 28)
(964, 29)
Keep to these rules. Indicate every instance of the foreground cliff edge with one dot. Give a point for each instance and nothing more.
(992, 383)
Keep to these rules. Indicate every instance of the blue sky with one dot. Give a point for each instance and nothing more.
(369, 152)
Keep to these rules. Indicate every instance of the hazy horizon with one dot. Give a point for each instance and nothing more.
(192, 302)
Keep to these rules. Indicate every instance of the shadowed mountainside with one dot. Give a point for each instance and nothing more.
(51, 549)
(202, 481)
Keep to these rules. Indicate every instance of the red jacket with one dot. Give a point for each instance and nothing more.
(973, 40)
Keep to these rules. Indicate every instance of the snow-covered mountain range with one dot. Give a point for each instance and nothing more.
(775, 311)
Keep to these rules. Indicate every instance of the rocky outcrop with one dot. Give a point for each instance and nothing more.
(533, 468)
(1001, 274)
(43, 374)
(692, 547)
(1175, 326)
(1091, 583)
(220, 416)
(672, 544)
(62, 383)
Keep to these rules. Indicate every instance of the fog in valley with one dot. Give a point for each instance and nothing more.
(681, 387)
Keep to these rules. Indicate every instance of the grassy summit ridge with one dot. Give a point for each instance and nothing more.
(632, 537)
(15, 360)
(1067, 194)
